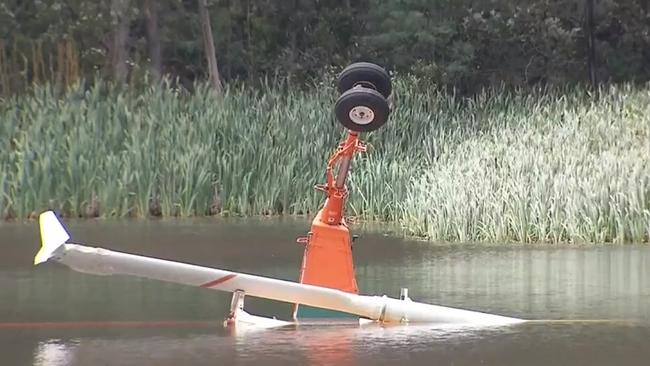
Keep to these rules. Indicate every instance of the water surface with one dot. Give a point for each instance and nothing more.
(592, 305)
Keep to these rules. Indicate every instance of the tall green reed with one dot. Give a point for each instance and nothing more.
(547, 168)
(501, 166)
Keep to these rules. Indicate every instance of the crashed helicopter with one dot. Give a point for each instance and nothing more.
(327, 277)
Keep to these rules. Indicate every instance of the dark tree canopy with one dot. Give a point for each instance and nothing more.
(464, 44)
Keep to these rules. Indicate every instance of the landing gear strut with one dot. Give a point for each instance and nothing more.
(362, 107)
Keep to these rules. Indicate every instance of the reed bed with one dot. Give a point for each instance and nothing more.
(551, 168)
(544, 166)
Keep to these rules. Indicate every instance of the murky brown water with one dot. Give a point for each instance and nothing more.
(602, 294)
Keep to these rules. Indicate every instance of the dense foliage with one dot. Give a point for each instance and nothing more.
(463, 44)
(546, 166)
(493, 137)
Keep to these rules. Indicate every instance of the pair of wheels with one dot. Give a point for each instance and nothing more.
(363, 105)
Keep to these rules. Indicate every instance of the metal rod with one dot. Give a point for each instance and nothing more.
(344, 167)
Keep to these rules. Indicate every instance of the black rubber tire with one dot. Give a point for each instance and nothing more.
(362, 97)
(365, 74)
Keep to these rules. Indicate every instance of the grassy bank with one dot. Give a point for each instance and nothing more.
(502, 166)
(551, 168)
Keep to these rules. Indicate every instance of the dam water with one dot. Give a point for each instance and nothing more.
(590, 305)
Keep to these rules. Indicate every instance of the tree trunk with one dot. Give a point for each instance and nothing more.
(208, 47)
(153, 38)
(120, 18)
(591, 51)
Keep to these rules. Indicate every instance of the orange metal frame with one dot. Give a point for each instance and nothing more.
(327, 260)
(337, 193)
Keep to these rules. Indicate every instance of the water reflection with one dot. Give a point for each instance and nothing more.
(524, 282)
(54, 352)
(320, 344)
(534, 283)
(313, 344)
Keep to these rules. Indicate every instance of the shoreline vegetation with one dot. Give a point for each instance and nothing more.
(502, 166)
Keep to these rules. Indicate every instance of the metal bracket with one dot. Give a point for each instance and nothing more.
(361, 147)
(236, 306)
(321, 187)
(404, 294)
